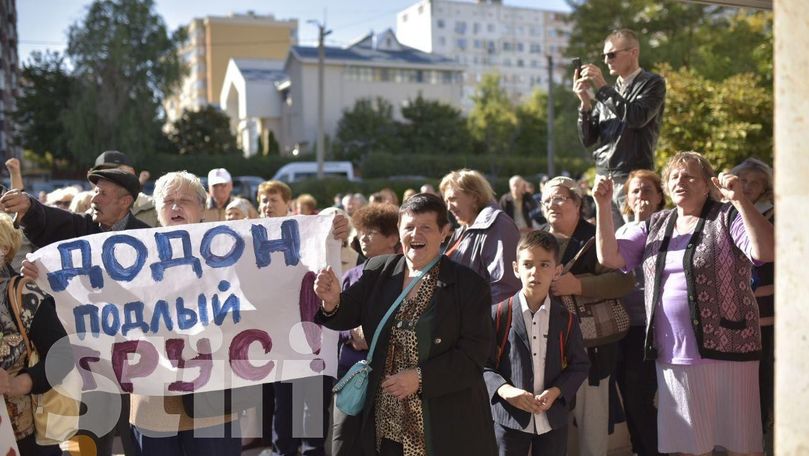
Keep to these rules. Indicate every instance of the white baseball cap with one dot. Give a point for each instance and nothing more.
(218, 176)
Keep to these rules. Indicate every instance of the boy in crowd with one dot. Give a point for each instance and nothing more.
(538, 361)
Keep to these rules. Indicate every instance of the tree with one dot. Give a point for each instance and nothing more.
(205, 132)
(727, 121)
(708, 39)
(125, 62)
(532, 125)
(367, 128)
(433, 127)
(46, 92)
(492, 121)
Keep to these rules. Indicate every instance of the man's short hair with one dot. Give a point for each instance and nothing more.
(274, 186)
(628, 35)
(543, 239)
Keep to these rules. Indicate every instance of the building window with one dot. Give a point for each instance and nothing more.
(476, 28)
(477, 44)
(520, 47)
(461, 43)
(490, 28)
(520, 63)
(442, 41)
(440, 23)
(404, 17)
(507, 62)
(535, 48)
(460, 27)
(507, 46)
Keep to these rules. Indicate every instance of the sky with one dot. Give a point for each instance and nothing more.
(43, 24)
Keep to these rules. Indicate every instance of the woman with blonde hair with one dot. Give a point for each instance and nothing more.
(487, 239)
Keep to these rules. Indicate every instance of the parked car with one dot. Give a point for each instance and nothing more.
(297, 171)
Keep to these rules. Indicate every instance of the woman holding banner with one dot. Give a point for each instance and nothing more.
(37, 314)
(426, 392)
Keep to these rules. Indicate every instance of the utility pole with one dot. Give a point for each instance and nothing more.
(551, 171)
(321, 97)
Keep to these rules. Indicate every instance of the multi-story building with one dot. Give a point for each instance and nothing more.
(264, 96)
(488, 37)
(8, 77)
(213, 41)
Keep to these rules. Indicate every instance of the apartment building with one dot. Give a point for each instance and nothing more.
(214, 41)
(262, 96)
(488, 36)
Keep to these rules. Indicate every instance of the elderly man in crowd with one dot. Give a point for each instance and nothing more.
(143, 208)
(220, 186)
(622, 121)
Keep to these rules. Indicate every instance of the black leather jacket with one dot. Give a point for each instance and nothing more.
(625, 128)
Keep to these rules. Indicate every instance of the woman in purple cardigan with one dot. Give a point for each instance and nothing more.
(702, 318)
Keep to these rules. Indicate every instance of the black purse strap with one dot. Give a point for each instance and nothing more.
(581, 252)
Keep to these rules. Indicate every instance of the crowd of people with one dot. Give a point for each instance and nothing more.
(455, 297)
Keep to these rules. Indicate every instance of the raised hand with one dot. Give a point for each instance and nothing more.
(729, 185)
(327, 288)
(603, 189)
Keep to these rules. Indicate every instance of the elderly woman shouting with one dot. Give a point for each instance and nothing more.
(426, 394)
(702, 326)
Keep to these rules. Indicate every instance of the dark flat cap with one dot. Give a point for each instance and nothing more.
(118, 177)
(111, 159)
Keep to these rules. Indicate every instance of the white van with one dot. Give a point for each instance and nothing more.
(296, 171)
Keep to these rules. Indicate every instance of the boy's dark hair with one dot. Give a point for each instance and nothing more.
(542, 239)
(421, 203)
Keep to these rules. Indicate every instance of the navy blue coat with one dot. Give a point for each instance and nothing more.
(516, 367)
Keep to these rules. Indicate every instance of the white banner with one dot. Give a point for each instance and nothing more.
(200, 307)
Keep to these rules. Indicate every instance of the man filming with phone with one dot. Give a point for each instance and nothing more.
(622, 120)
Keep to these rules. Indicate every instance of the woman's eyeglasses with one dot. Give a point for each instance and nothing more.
(555, 201)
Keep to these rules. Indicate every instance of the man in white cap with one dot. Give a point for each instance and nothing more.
(220, 186)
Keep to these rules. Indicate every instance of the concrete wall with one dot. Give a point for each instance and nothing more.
(791, 233)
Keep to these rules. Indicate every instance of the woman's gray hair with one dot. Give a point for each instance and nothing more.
(754, 164)
(178, 180)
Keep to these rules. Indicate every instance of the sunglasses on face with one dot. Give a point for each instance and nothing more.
(611, 55)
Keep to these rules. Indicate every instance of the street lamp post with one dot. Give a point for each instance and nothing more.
(321, 103)
(551, 170)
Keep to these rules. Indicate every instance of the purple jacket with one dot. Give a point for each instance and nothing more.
(489, 247)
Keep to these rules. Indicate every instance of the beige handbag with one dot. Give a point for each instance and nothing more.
(602, 321)
(56, 416)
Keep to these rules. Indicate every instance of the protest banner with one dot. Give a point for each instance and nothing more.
(194, 308)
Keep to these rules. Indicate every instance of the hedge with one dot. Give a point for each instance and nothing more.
(436, 166)
(263, 166)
